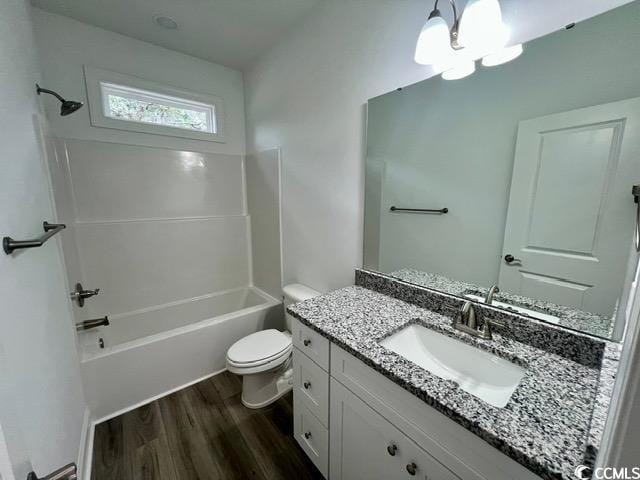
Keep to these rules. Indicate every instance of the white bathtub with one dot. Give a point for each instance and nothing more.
(151, 352)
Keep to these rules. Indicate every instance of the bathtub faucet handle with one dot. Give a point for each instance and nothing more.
(79, 294)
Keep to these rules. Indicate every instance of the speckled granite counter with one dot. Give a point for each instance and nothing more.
(575, 319)
(547, 424)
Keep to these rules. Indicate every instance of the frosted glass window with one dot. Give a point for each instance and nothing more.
(142, 106)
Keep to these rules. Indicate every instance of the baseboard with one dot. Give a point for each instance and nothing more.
(85, 453)
(155, 397)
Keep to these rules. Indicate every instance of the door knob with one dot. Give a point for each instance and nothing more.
(511, 260)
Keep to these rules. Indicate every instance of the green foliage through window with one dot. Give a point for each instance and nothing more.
(158, 114)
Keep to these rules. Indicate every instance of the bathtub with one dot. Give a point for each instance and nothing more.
(149, 353)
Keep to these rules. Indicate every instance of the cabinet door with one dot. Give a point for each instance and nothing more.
(420, 465)
(363, 444)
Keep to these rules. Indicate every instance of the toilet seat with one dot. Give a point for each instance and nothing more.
(259, 352)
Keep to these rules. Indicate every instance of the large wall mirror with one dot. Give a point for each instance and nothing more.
(520, 176)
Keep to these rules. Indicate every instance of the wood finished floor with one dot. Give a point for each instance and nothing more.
(201, 432)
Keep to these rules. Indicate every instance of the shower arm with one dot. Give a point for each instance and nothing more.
(50, 92)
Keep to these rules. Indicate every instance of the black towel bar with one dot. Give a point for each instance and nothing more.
(419, 210)
(50, 229)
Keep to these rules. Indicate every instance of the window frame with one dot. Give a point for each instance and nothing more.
(96, 78)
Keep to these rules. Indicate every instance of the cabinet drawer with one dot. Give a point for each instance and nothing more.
(311, 384)
(311, 343)
(312, 436)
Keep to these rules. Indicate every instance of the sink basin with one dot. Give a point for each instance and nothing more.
(480, 373)
(515, 308)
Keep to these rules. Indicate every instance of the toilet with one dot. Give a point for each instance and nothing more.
(263, 359)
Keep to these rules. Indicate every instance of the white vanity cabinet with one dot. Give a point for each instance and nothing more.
(354, 423)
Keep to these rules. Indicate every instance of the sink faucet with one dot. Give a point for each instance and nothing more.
(466, 321)
(492, 291)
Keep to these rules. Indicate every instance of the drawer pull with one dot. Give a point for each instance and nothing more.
(307, 385)
(307, 435)
(392, 449)
(412, 468)
(306, 342)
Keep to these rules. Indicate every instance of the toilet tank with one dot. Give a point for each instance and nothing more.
(295, 293)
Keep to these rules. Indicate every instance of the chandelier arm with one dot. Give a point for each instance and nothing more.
(453, 32)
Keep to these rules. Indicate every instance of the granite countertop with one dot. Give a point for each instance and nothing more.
(546, 425)
(568, 317)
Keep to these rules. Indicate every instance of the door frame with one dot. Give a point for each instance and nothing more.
(624, 410)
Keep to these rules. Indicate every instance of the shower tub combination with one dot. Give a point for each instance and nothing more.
(146, 354)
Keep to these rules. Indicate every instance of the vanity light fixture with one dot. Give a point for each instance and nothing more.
(478, 33)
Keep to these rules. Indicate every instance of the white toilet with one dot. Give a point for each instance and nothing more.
(264, 358)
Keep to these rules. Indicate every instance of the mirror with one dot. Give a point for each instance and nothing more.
(519, 176)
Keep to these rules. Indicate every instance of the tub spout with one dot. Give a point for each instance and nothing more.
(93, 323)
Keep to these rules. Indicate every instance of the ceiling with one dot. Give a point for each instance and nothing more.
(233, 33)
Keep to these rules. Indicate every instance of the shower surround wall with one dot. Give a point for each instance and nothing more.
(150, 226)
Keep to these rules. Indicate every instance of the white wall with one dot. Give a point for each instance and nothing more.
(65, 45)
(307, 96)
(41, 400)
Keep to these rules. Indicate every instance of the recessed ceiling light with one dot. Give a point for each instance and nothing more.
(165, 22)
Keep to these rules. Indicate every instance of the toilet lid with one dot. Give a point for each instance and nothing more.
(259, 346)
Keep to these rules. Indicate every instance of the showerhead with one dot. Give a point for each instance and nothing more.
(67, 107)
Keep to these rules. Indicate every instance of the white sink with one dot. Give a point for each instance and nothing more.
(532, 313)
(480, 373)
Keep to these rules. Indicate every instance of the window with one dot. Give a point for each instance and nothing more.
(133, 105)
(130, 103)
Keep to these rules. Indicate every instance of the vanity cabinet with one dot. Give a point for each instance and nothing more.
(355, 423)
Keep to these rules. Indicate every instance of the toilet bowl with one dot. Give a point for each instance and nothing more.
(263, 358)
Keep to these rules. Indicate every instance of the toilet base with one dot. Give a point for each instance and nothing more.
(262, 389)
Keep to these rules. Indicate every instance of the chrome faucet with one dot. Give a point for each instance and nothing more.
(466, 322)
(492, 291)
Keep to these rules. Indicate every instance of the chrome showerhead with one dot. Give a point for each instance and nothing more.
(67, 107)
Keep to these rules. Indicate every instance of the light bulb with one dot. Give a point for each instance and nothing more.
(502, 56)
(434, 44)
(481, 27)
(460, 70)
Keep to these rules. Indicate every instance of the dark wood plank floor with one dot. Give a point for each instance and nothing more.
(201, 432)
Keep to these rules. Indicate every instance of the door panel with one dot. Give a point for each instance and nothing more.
(570, 218)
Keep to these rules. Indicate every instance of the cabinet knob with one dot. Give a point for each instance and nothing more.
(307, 435)
(306, 342)
(412, 468)
(392, 449)
(307, 385)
